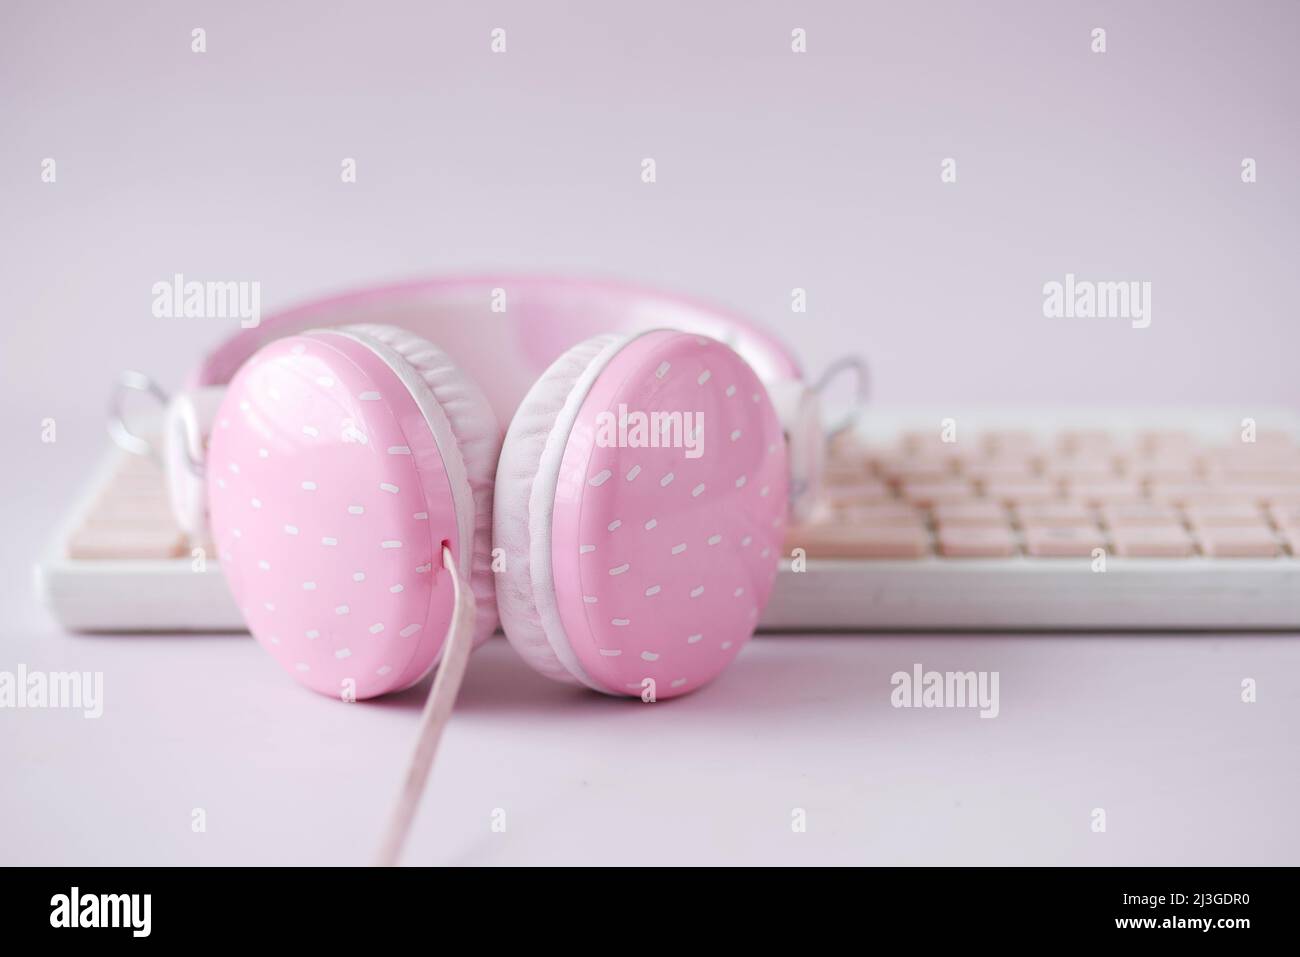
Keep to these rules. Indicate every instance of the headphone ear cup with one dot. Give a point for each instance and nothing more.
(641, 503)
(476, 435)
(517, 530)
(341, 462)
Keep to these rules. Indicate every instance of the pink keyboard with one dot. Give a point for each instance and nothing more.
(1004, 494)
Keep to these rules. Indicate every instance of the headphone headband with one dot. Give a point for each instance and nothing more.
(506, 330)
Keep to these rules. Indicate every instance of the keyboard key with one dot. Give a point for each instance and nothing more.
(1164, 441)
(892, 513)
(929, 444)
(958, 541)
(854, 541)
(910, 457)
(1091, 442)
(998, 470)
(866, 492)
(1145, 515)
(1256, 464)
(915, 470)
(1248, 452)
(1056, 514)
(1280, 473)
(1168, 469)
(1033, 492)
(1188, 494)
(1101, 494)
(128, 512)
(1063, 542)
(846, 472)
(108, 525)
(848, 447)
(1168, 541)
(104, 543)
(1265, 494)
(932, 493)
(973, 514)
(1082, 470)
(1020, 443)
(1240, 515)
(1255, 541)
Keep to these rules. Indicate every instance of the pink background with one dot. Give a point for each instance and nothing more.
(775, 170)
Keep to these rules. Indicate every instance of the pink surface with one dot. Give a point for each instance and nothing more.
(1151, 728)
(330, 501)
(662, 562)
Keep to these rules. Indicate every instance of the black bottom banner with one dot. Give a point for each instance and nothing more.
(333, 907)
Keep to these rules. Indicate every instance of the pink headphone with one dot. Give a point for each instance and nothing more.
(345, 447)
(627, 528)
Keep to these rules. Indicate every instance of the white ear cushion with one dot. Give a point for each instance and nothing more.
(526, 478)
(477, 437)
